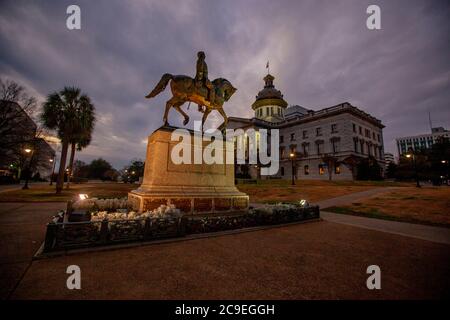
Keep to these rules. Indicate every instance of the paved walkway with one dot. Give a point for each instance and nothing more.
(10, 187)
(418, 231)
(430, 233)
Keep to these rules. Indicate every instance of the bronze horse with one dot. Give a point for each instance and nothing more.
(184, 90)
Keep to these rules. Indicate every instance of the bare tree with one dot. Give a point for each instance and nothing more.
(16, 125)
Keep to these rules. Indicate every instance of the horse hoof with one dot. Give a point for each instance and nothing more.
(185, 122)
(166, 123)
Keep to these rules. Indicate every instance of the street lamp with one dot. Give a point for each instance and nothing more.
(292, 156)
(28, 151)
(416, 173)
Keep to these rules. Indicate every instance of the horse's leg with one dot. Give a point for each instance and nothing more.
(177, 106)
(169, 104)
(225, 118)
(205, 115)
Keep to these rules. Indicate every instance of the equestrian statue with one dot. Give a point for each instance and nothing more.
(208, 95)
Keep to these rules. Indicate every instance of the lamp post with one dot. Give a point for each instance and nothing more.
(53, 169)
(416, 173)
(292, 156)
(28, 151)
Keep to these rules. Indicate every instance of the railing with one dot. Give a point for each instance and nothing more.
(62, 236)
(93, 233)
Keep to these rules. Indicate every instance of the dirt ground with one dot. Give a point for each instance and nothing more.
(430, 205)
(46, 193)
(264, 191)
(319, 260)
(272, 191)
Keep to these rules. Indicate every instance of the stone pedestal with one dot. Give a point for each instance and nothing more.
(192, 188)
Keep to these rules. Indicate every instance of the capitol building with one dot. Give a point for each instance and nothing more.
(314, 144)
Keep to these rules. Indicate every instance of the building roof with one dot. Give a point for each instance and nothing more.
(269, 95)
(295, 110)
(311, 115)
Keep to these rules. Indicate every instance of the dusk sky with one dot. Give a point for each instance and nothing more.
(321, 54)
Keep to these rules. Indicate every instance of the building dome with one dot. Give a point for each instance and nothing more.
(269, 104)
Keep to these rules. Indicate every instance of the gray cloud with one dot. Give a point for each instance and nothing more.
(320, 52)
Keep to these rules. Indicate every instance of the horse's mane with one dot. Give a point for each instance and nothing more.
(219, 81)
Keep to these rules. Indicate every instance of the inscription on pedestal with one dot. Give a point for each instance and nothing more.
(184, 204)
(240, 203)
(152, 204)
(222, 204)
(202, 205)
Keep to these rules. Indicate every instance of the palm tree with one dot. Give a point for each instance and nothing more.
(83, 136)
(61, 112)
(79, 144)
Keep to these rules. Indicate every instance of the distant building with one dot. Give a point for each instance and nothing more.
(18, 131)
(343, 132)
(423, 141)
(388, 158)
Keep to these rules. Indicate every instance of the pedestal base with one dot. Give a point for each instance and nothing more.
(192, 188)
(192, 202)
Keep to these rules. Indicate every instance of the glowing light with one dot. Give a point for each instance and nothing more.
(51, 160)
(83, 196)
(291, 155)
(304, 203)
(27, 150)
(408, 156)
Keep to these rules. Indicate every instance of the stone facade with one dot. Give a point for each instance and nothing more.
(342, 133)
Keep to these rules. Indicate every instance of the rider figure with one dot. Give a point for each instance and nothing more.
(201, 78)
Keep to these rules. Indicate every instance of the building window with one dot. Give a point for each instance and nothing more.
(306, 170)
(282, 171)
(321, 169)
(337, 169)
(334, 128)
(319, 148)
(306, 149)
(282, 152)
(335, 145)
(305, 134)
(318, 131)
(355, 145)
(281, 139)
(292, 136)
(354, 128)
(362, 147)
(378, 137)
(360, 130)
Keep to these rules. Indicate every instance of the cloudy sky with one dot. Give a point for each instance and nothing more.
(321, 54)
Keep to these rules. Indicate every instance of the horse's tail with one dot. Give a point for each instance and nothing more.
(162, 84)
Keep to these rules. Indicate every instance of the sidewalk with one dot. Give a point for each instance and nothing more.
(418, 231)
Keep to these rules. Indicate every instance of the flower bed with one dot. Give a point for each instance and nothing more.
(115, 224)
